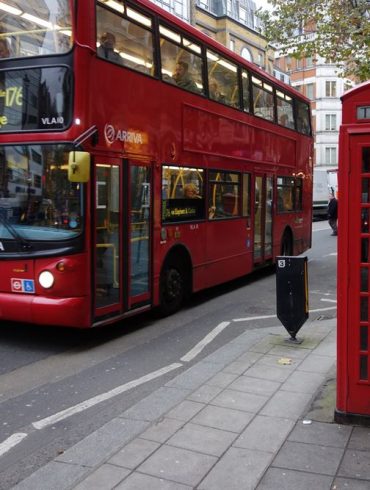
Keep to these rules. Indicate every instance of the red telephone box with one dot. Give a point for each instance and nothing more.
(353, 351)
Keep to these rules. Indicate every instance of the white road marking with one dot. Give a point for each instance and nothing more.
(323, 309)
(253, 318)
(203, 343)
(12, 441)
(263, 317)
(80, 407)
(328, 300)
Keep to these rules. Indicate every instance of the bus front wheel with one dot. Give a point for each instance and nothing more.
(173, 287)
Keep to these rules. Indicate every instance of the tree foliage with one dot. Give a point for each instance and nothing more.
(336, 30)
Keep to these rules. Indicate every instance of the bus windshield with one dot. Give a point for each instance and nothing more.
(37, 201)
(40, 27)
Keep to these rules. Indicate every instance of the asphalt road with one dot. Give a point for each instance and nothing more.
(57, 386)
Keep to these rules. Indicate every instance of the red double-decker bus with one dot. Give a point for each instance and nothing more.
(140, 161)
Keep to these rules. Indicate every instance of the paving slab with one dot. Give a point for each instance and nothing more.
(134, 453)
(278, 479)
(97, 447)
(320, 433)
(350, 484)
(178, 465)
(355, 464)
(284, 404)
(185, 410)
(237, 469)
(360, 438)
(238, 400)
(309, 457)
(222, 379)
(265, 434)
(272, 373)
(56, 475)
(162, 430)
(206, 440)
(205, 393)
(137, 481)
(223, 418)
(106, 476)
(291, 352)
(249, 384)
(156, 404)
(316, 364)
(326, 348)
(303, 382)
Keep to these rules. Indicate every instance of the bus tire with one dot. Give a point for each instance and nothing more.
(172, 288)
(287, 244)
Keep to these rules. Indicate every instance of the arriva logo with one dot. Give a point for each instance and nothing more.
(111, 135)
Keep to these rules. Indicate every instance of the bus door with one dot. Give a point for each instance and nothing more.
(138, 245)
(122, 236)
(108, 231)
(263, 206)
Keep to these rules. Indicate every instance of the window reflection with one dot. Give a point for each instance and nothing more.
(36, 196)
(40, 27)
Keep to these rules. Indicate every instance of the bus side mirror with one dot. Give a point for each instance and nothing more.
(79, 166)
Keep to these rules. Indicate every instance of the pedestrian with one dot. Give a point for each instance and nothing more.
(333, 214)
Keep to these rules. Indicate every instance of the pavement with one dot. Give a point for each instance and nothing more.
(257, 413)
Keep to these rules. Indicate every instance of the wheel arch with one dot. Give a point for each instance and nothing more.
(180, 254)
(287, 241)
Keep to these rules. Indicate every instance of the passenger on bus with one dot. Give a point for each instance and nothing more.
(182, 77)
(106, 48)
(214, 91)
(4, 48)
(191, 191)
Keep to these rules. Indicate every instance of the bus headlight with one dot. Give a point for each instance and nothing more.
(46, 279)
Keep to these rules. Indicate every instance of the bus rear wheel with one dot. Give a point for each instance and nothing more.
(173, 288)
(287, 244)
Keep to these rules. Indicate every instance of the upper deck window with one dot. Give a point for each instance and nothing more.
(222, 79)
(263, 99)
(303, 118)
(246, 91)
(40, 27)
(125, 41)
(285, 113)
(181, 60)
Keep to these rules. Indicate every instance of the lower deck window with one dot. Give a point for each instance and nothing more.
(223, 195)
(182, 194)
(289, 192)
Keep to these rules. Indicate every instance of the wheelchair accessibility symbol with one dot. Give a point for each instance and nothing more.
(22, 285)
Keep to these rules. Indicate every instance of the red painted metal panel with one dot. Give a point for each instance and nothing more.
(353, 351)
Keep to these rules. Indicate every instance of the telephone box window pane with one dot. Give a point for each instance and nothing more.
(363, 367)
(364, 249)
(365, 190)
(364, 309)
(363, 112)
(363, 338)
(366, 160)
(364, 279)
(365, 220)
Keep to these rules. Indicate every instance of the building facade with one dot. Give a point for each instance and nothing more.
(233, 23)
(320, 82)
